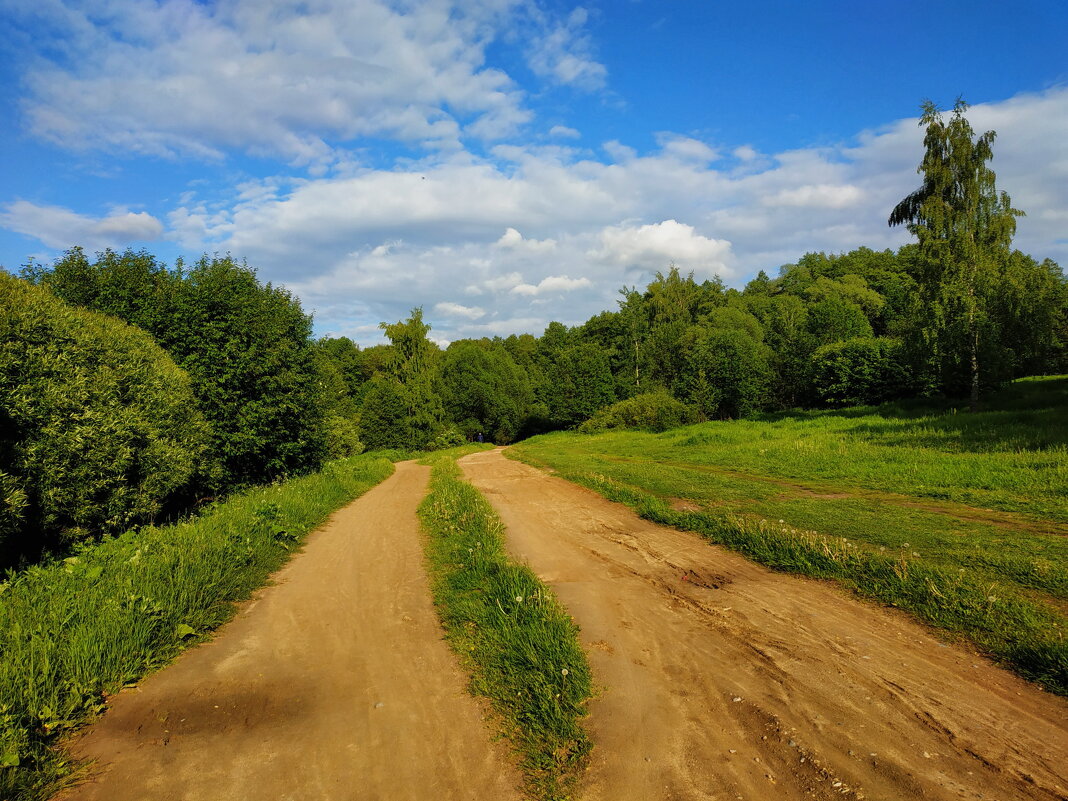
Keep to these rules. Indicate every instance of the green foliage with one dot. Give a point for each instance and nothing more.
(74, 631)
(384, 418)
(246, 346)
(342, 438)
(100, 426)
(727, 372)
(859, 371)
(650, 411)
(964, 227)
(510, 632)
(579, 383)
(834, 319)
(401, 405)
(485, 391)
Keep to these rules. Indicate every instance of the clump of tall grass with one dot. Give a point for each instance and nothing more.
(77, 630)
(510, 633)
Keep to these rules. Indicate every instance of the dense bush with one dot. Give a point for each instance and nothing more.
(485, 391)
(579, 383)
(99, 424)
(862, 370)
(728, 372)
(246, 346)
(650, 411)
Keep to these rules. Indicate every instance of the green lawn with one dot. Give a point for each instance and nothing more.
(970, 509)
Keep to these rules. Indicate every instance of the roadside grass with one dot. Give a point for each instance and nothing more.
(519, 645)
(961, 519)
(75, 631)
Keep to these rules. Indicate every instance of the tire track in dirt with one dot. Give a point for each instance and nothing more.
(335, 683)
(723, 680)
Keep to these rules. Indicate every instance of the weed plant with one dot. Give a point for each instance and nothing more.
(511, 634)
(958, 518)
(76, 631)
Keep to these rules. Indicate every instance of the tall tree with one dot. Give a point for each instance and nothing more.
(965, 229)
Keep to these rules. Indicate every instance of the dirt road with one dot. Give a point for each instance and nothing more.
(335, 684)
(722, 680)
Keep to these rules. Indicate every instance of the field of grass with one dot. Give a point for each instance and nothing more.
(960, 518)
(519, 645)
(74, 631)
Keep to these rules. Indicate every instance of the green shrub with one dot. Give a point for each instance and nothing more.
(246, 345)
(861, 370)
(100, 425)
(342, 438)
(727, 374)
(650, 411)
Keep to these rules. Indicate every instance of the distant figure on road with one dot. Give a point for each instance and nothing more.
(480, 436)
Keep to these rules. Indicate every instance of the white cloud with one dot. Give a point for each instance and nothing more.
(652, 247)
(816, 195)
(565, 216)
(62, 228)
(456, 310)
(552, 283)
(550, 232)
(562, 53)
(270, 77)
(514, 240)
(563, 132)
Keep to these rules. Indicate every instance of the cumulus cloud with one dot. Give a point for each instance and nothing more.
(563, 53)
(61, 228)
(828, 196)
(521, 235)
(552, 283)
(563, 132)
(456, 310)
(270, 77)
(669, 242)
(514, 240)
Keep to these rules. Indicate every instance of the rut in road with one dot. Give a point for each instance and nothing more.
(335, 684)
(723, 680)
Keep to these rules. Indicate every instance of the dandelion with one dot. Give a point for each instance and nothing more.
(519, 599)
(563, 672)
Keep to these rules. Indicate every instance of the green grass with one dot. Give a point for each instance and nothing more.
(510, 633)
(960, 518)
(77, 630)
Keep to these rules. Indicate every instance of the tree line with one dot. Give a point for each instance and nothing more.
(130, 390)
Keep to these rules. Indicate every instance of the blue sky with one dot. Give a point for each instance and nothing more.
(503, 163)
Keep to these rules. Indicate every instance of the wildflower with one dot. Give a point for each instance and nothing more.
(519, 599)
(563, 672)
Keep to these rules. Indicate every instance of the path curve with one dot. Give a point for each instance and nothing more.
(334, 684)
(724, 680)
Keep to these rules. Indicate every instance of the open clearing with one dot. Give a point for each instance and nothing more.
(724, 680)
(718, 678)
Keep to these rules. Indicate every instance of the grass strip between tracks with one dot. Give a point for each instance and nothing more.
(1023, 634)
(518, 643)
(74, 631)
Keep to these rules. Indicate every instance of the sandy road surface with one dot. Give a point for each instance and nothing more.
(335, 684)
(723, 680)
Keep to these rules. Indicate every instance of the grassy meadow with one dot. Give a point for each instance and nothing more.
(960, 518)
(519, 645)
(74, 631)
